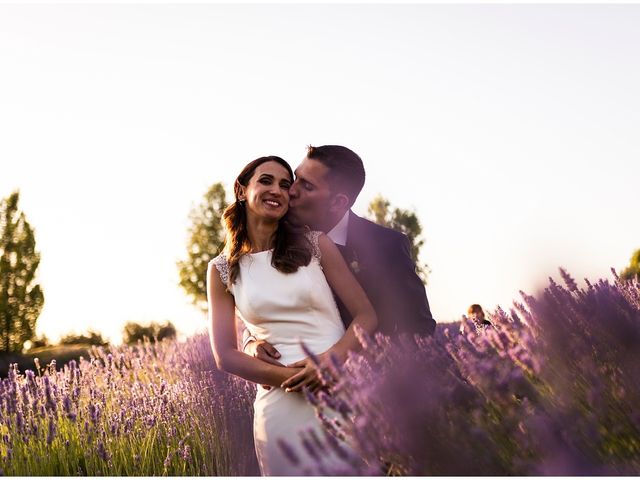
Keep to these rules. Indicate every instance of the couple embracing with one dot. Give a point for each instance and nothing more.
(299, 266)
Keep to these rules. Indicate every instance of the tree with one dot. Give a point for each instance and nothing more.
(404, 221)
(21, 300)
(38, 342)
(132, 331)
(91, 337)
(206, 239)
(633, 270)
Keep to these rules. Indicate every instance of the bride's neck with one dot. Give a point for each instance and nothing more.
(261, 235)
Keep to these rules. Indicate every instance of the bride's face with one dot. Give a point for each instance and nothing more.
(267, 193)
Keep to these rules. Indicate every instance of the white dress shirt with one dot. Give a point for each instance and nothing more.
(339, 233)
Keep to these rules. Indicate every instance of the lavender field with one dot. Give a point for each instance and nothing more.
(154, 409)
(552, 388)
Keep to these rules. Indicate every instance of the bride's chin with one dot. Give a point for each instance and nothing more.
(276, 216)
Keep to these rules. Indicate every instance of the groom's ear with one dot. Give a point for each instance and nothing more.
(339, 203)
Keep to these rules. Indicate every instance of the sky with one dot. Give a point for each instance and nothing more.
(511, 130)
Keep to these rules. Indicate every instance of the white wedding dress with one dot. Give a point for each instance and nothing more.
(285, 309)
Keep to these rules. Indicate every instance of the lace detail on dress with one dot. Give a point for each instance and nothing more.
(313, 237)
(222, 266)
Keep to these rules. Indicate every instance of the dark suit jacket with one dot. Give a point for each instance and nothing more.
(381, 261)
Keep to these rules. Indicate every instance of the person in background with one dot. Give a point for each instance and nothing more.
(476, 315)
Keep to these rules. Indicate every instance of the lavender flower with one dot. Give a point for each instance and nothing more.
(314, 358)
(67, 407)
(185, 453)
(168, 458)
(311, 450)
(102, 451)
(51, 433)
(288, 451)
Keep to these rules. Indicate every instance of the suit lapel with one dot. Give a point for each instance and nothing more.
(355, 234)
(352, 229)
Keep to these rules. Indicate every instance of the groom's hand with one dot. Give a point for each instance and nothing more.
(263, 350)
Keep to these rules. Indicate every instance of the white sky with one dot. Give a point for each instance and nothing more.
(513, 130)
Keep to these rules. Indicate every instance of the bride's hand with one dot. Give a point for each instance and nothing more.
(308, 377)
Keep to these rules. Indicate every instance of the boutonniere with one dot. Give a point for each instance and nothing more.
(354, 264)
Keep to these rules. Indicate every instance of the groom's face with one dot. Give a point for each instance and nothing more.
(310, 195)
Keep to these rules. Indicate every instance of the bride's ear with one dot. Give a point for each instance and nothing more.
(339, 203)
(242, 195)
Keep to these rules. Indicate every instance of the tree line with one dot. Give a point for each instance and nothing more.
(22, 297)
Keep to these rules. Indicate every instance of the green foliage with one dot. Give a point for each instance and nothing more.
(132, 331)
(405, 221)
(40, 341)
(21, 300)
(90, 338)
(206, 239)
(633, 270)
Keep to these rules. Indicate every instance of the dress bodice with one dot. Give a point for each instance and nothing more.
(285, 308)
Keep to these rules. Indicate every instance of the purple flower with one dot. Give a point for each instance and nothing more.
(102, 451)
(364, 338)
(168, 458)
(288, 451)
(310, 449)
(51, 433)
(94, 413)
(51, 403)
(67, 408)
(310, 354)
(19, 421)
(185, 453)
(336, 447)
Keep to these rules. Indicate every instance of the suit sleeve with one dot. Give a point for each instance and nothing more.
(403, 305)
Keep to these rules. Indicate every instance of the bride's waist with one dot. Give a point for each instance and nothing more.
(292, 351)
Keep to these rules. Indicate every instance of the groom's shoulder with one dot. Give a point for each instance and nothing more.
(367, 230)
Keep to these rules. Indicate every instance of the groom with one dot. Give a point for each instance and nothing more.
(327, 184)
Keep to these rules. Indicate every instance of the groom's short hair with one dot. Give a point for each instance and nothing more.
(346, 171)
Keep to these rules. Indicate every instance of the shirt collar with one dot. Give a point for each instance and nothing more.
(339, 233)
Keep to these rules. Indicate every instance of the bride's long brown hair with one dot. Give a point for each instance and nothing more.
(291, 248)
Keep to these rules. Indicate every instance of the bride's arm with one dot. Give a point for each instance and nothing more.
(222, 334)
(347, 288)
(345, 285)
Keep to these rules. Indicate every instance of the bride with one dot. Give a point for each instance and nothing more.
(279, 279)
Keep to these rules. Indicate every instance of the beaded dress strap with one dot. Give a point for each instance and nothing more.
(222, 265)
(313, 237)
